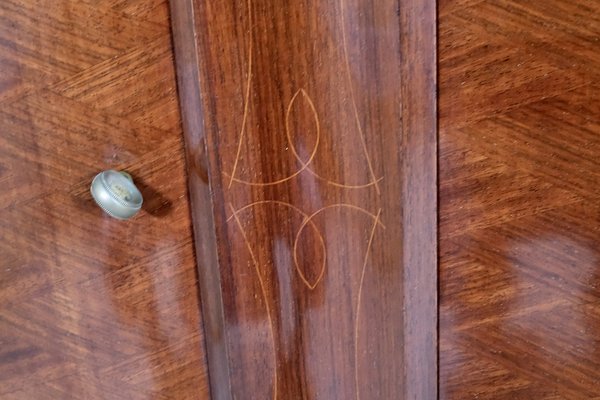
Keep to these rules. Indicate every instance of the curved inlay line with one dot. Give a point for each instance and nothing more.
(305, 220)
(358, 301)
(352, 96)
(304, 165)
(291, 145)
(340, 205)
(343, 185)
(246, 97)
(308, 220)
(310, 171)
(264, 296)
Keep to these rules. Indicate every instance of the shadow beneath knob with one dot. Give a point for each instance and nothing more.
(155, 203)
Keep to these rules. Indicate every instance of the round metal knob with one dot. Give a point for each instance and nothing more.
(115, 192)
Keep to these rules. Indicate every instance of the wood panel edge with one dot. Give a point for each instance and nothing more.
(419, 93)
(204, 231)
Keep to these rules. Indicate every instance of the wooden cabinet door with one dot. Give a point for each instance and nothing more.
(311, 145)
(92, 307)
(519, 185)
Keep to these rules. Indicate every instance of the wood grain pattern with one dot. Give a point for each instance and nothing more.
(519, 179)
(91, 307)
(311, 141)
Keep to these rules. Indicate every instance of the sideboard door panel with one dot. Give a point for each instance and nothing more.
(311, 145)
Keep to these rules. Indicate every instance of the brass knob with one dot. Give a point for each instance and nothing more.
(115, 192)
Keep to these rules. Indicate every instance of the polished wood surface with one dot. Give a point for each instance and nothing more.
(311, 143)
(519, 186)
(92, 307)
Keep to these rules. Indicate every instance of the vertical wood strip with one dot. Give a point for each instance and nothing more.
(182, 16)
(418, 21)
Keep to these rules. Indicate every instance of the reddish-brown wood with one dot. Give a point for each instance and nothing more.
(91, 307)
(519, 184)
(311, 142)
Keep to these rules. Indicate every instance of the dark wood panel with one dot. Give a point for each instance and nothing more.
(311, 141)
(519, 178)
(92, 307)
